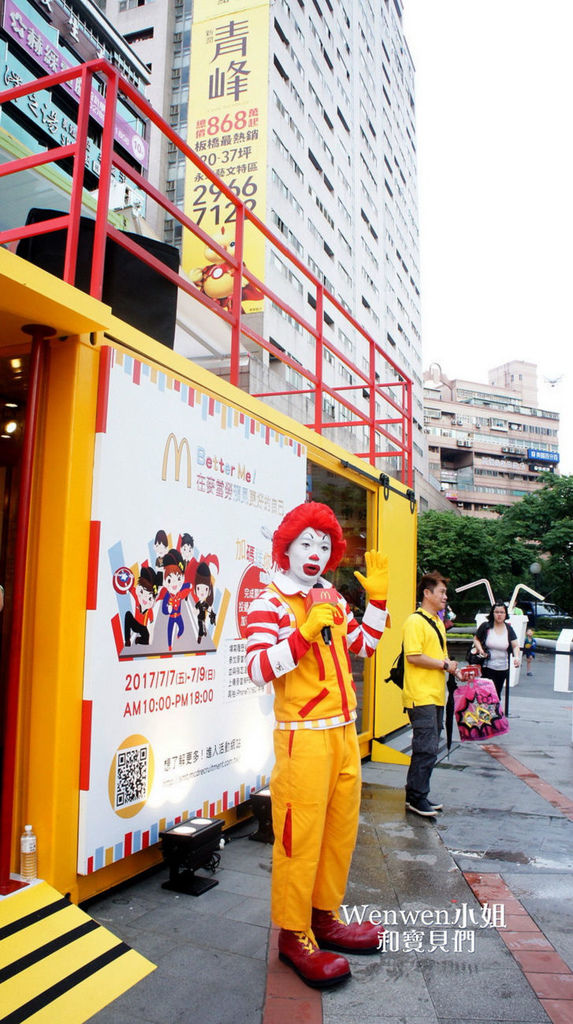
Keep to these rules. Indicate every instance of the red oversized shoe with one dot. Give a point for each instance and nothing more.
(317, 969)
(331, 933)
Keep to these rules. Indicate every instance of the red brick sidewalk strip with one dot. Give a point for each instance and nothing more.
(549, 976)
(288, 1000)
(553, 796)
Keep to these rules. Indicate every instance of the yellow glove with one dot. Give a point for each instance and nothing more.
(319, 616)
(375, 582)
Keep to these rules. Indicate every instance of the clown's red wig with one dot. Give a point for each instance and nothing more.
(319, 517)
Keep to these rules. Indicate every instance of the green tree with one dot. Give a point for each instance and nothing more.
(542, 526)
(467, 549)
(539, 528)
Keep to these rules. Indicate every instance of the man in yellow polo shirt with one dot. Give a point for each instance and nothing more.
(426, 662)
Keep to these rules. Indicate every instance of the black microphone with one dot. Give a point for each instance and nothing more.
(327, 596)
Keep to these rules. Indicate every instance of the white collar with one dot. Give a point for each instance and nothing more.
(288, 585)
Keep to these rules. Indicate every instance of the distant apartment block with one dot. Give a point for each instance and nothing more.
(487, 443)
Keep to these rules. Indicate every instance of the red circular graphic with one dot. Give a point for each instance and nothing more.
(122, 580)
(253, 580)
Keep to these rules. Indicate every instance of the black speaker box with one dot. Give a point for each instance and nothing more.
(136, 293)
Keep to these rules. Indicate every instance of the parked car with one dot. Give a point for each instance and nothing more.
(549, 615)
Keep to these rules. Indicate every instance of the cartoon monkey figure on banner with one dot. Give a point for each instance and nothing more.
(216, 279)
(300, 631)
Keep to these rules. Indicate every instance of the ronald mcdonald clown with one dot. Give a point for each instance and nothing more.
(302, 645)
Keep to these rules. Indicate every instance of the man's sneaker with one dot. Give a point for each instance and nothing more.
(437, 807)
(422, 807)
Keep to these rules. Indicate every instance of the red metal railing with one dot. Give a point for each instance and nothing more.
(389, 435)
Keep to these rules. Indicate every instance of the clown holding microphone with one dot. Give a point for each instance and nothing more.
(300, 632)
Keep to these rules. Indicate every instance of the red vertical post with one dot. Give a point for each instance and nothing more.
(106, 163)
(237, 295)
(9, 726)
(319, 360)
(409, 439)
(78, 178)
(372, 403)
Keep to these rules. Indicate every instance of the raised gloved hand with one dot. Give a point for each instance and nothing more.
(319, 616)
(375, 582)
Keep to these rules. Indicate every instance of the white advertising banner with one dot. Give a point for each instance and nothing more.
(187, 493)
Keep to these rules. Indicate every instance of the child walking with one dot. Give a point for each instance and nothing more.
(529, 648)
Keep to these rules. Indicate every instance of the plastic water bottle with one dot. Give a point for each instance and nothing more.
(28, 854)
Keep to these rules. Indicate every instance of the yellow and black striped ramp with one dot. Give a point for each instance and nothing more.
(58, 965)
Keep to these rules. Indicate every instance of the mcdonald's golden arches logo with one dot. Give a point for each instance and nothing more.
(178, 448)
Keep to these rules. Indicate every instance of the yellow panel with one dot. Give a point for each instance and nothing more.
(25, 901)
(398, 533)
(28, 939)
(52, 969)
(383, 754)
(28, 293)
(91, 995)
(53, 643)
(47, 979)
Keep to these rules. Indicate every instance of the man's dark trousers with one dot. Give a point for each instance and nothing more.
(427, 721)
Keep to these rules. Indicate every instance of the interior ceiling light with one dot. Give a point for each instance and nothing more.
(10, 427)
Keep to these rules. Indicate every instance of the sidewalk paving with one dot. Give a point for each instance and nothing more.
(503, 837)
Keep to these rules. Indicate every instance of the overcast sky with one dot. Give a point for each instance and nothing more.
(494, 107)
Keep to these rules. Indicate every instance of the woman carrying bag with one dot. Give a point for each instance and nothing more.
(494, 641)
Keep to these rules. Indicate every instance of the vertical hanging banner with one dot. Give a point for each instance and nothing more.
(187, 493)
(228, 100)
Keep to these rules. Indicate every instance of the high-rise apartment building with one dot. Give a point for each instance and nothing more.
(487, 443)
(331, 152)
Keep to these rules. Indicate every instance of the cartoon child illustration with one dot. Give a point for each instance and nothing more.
(177, 591)
(161, 546)
(140, 621)
(204, 603)
(186, 548)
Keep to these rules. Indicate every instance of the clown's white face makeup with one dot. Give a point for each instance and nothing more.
(308, 555)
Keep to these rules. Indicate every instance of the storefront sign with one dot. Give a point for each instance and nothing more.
(50, 59)
(538, 455)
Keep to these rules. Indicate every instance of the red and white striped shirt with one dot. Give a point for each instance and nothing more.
(322, 691)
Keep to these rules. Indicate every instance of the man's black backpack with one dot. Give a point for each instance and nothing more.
(397, 671)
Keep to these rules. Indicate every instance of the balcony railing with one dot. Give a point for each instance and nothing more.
(384, 388)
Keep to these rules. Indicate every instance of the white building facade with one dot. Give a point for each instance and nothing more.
(340, 176)
(487, 443)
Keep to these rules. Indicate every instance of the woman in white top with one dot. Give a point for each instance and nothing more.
(495, 639)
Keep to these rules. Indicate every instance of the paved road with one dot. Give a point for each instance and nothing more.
(506, 818)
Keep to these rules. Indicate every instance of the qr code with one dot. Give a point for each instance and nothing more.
(131, 776)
